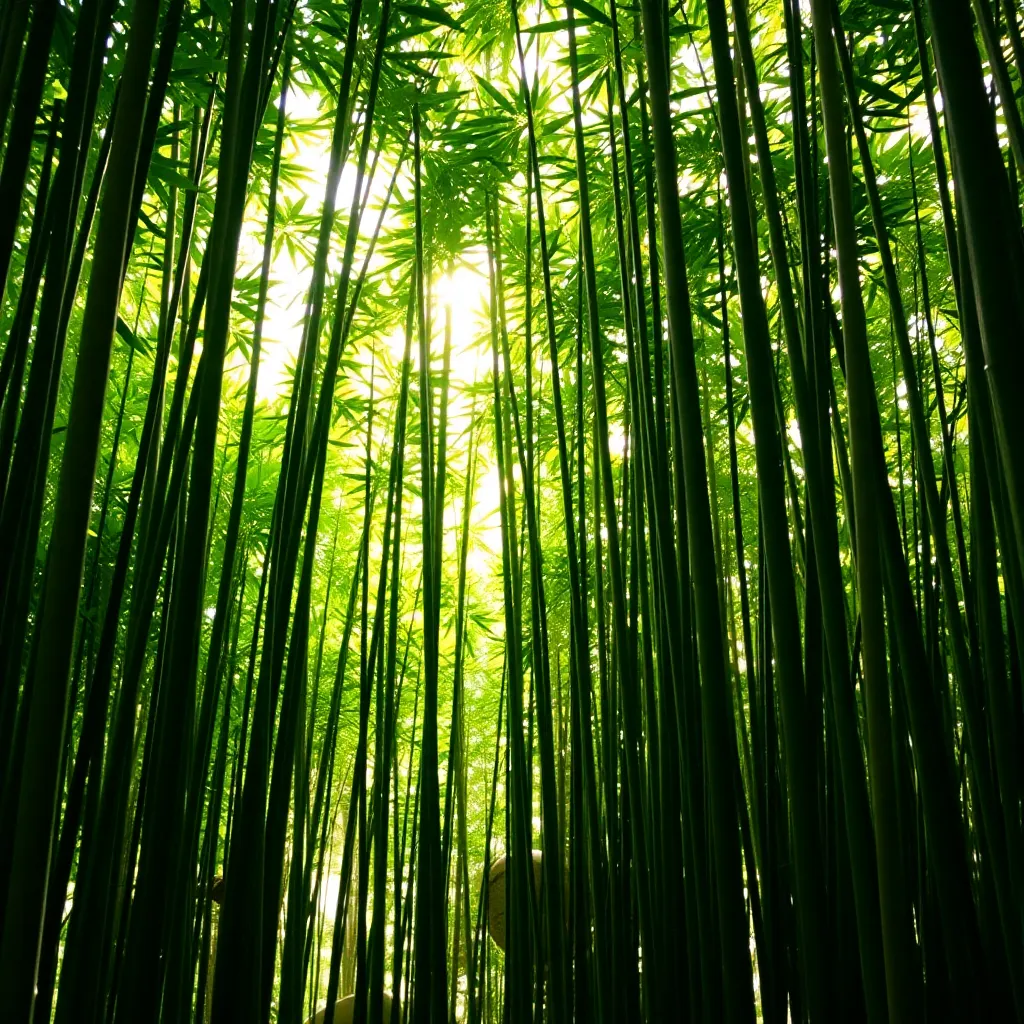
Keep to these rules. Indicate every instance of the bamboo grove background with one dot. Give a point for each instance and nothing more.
(435, 433)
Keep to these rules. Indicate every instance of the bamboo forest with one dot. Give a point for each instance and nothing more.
(511, 511)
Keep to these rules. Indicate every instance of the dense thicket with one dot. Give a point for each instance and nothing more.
(515, 508)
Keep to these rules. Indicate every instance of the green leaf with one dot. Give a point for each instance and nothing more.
(430, 12)
(591, 12)
(130, 338)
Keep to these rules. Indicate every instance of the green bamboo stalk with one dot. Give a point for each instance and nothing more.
(717, 713)
(12, 369)
(20, 519)
(823, 514)
(27, 892)
(994, 248)
(966, 671)
(771, 486)
(19, 139)
(581, 674)
(632, 725)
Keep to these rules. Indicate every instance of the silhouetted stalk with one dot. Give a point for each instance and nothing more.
(717, 712)
(36, 807)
